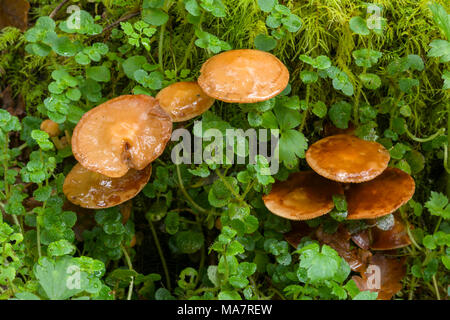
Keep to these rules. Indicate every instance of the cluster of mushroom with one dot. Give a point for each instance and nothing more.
(343, 164)
(116, 142)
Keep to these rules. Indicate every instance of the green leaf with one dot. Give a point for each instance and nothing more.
(60, 248)
(216, 7)
(292, 144)
(80, 21)
(82, 58)
(440, 49)
(132, 64)
(229, 295)
(98, 73)
(292, 23)
(441, 18)
(438, 205)
(415, 62)
(319, 109)
(172, 222)
(309, 77)
(340, 114)
(264, 42)
(152, 4)
(266, 5)
(366, 295)
(64, 47)
(366, 57)
(192, 7)
(189, 241)
(321, 265)
(358, 25)
(446, 78)
(406, 84)
(370, 80)
(287, 118)
(155, 17)
(58, 279)
(42, 193)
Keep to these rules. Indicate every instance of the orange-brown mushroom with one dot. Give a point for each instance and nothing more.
(303, 196)
(93, 190)
(346, 158)
(184, 100)
(51, 127)
(126, 132)
(380, 196)
(243, 76)
(395, 238)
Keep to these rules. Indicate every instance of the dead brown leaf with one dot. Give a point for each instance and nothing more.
(340, 241)
(14, 13)
(390, 272)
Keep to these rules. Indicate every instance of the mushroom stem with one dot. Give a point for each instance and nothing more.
(57, 143)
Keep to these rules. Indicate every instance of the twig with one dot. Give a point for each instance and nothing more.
(130, 266)
(124, 18)
(187, 196)
(55, 11)
(161, 254)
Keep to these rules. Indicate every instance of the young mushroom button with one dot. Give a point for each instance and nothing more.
(93, 190)
(243, 76)
(380, 196)
(346, 158)
(126, 132)
(303, 196)
(51, 127)
(184, 100)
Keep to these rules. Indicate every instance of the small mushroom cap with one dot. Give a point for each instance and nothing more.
(380, 196)
(51, 127)
(346, 158)
(93, 190)
(303, 196)
(243, 76)
(126, 132)
(395, 238)
(184, 100)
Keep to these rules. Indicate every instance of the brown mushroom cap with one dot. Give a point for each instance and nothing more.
(303, 196)
(380, 196)
(184, 100)
(346, 158)
(51, 127)
(93, 190)
(243, 76)
(395, 238)
(126, 132)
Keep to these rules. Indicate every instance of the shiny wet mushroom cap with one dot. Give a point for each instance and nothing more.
(303, 196)
(184, 100)
(93, 190)
(380, 196)
(126, 132)
(346, 158)
(395, 238)
(243, 76)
